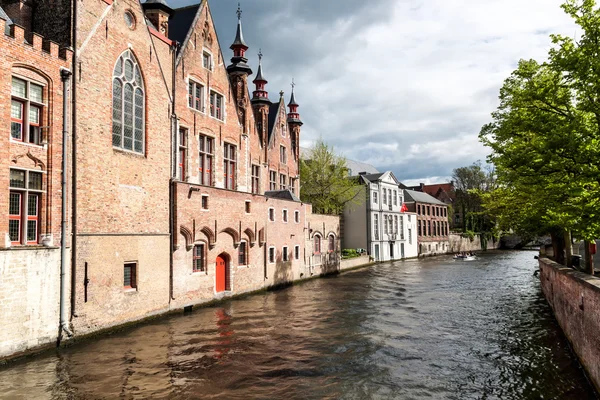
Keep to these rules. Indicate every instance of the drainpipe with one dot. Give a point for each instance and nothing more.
(64, 75)
(74, 163)
(173, 170)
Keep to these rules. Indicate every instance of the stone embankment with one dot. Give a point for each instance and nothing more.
(355, 262)
(458, 243)
(575, 299)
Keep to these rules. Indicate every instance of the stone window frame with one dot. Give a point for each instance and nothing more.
(25, 193)
(284, 254)
(207, 52)
(282, 181)
(133, 267)
(331, 247)
(138, 146)
(206, 177)
(182, 143)
(272, 180)
(282, 154)
(296, 252)
(213, 108)
(284, 215)
(26, 104)
(272, 258)
(194, 84)
(297, 216)
(271, 214)
(246, 260)
(255, 176)
(230, 165)
(202, 257)
(317, 244)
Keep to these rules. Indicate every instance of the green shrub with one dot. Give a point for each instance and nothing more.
(469, 234)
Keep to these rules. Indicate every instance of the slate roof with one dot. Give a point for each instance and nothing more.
(373, 177)
(282, 194)
(273, 114)
(8, 21)
(354, 167)
(239, 36)
(420, 197)
(181, 21)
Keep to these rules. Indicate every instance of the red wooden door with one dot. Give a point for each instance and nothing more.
(221, 273)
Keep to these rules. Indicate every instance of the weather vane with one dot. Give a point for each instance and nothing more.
(293, 84)
(260, 55)
(239, 11)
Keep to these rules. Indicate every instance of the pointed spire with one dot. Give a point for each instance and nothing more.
(239, 36)
(293, 99)
(260, 94)
(293, 116)
(238, 64)
(259, 73)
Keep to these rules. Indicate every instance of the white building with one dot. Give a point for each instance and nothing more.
(380, 224)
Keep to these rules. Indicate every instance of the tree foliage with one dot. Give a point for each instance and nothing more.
(469, 183)
(545, 137)
(325, 181)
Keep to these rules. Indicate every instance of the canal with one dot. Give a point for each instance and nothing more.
(435, 328)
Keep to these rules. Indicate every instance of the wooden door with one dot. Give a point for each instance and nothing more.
(221, 274)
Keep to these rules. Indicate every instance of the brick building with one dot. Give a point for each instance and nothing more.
(31, 114)
(432, 222)
(445, 193)
(183, 184)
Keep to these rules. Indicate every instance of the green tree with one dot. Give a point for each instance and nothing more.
(469, 183)
(325, 181)
(545, 138)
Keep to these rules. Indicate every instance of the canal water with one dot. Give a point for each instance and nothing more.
(427, 329)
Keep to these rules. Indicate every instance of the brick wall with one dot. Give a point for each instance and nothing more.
(122, 196)
(575, 301)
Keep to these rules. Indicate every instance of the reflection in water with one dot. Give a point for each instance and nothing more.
(418, 329)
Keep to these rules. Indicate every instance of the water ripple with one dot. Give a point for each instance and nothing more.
(428, 329)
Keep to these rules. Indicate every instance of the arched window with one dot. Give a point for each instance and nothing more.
(128, 105)
(331, 243)
(317, 245)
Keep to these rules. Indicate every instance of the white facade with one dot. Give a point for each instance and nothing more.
(386, 233)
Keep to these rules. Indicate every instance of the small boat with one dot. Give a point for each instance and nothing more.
(464, 258)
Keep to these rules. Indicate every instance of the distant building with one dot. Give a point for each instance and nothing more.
(432, 222)
(380, 224)
(446, 193)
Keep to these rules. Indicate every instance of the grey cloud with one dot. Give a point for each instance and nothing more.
(402, 84)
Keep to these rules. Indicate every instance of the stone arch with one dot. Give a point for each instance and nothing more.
(316, 232)
(188, 235)
(251, 237)
(210, 236)
(234, 234)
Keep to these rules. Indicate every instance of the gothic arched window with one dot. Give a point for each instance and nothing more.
(128, 105)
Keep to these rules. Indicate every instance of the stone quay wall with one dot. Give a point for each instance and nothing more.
(355, 262)
(459, 243)
(29, 299)
(575, 300)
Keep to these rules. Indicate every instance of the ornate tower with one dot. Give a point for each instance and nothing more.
(261, 104)
(239, 70)
(295, 123)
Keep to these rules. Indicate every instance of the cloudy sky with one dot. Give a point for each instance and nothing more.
(404, 85)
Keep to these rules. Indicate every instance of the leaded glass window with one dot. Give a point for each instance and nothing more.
(128, 105)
